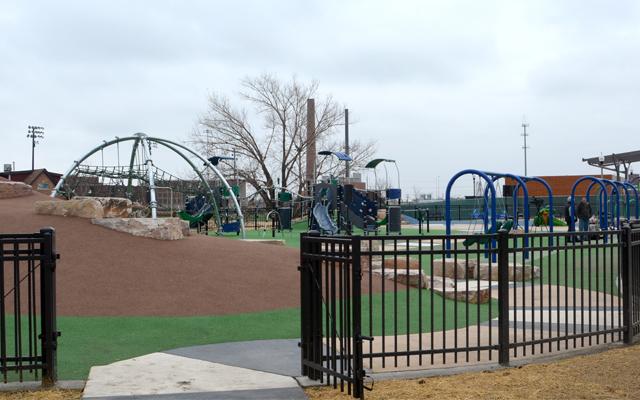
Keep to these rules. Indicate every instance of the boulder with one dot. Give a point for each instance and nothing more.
(454, 269)
(449, 268)
(83, 208)
(516, 272)
(401, 262)
(113, 207)
(414, 277)
(86, 207)
(464, 291)
(161, 228)
(12, 189)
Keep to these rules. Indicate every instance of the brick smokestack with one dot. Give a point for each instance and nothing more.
(311, 145)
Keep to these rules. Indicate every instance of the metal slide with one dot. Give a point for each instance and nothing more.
(326, 224)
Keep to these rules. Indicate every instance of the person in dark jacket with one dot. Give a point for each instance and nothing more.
(568, 220)
(583, 213)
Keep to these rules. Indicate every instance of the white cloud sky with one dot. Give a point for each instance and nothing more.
(439, 85)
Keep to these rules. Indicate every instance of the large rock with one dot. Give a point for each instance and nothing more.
(454, 269)
(83, 208)
(161, 228)
(414, 277)
(464, 291)
(516, 272)
(462, 269)
(401, 262)
(11, 189)
(86, 207)
(112, 207)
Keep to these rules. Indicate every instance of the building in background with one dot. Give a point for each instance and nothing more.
(560, 185)
(40, 180)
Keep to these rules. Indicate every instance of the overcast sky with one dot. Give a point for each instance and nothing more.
(440, 86)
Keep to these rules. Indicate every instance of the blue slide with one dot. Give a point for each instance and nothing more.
(326, 224)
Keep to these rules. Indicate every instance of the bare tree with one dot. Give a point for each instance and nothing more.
(273, 154)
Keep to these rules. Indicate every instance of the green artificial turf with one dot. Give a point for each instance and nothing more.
(292, 238)
(89, 341)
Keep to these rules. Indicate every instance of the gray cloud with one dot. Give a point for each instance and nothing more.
(440, 86)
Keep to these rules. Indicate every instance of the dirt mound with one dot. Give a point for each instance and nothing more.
(104, 272)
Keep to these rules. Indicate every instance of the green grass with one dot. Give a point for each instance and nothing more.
(89, 341)
(292, 238)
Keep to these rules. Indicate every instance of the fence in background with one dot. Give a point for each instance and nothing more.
(375, 303)
(28, 333)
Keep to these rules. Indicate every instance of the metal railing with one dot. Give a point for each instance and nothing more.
(28, 333)
(370, 303)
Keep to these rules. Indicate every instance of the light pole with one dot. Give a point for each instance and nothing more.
(525, 147)
(34, 132)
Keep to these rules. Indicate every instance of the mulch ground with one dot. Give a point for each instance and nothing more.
(612, 374)
(107, 273)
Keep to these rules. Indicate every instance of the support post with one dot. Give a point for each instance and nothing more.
(50, 334)
(356, 277)
(503, 297)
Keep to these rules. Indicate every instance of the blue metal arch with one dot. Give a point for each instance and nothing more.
(594, 180)
(447, 199)
(635, 191)
(626, 200)
(549, 194)
(603, 205)
(521, 182)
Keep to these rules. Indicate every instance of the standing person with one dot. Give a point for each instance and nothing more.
(569, 220)
(584, 213)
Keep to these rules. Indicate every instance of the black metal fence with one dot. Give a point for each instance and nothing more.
(28, 333)
(376, 303)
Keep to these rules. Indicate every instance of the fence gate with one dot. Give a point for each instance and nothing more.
(631, 281)
(28, 334)
(330, 285)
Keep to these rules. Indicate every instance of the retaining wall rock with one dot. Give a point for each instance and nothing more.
(12, 189)
(86, 207)
(161, 228)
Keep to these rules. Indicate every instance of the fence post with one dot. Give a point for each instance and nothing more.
(49, 335)
(305, 336)
(428, 217)
(626, 272)
(503, 297)
(356, 277)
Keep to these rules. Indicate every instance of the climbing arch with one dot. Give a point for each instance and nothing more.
(146, 170)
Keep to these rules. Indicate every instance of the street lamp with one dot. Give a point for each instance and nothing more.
(34, 132)
(601, 162)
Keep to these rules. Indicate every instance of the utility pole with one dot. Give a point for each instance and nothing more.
(525, 147)
(346, 140)
(34, 132)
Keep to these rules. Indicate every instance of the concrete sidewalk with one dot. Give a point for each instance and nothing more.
(264, 369)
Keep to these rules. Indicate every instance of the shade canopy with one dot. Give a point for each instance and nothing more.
(339, 155)
(374, 163)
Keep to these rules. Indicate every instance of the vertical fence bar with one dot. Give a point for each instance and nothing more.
(626, 240)
(503, 297)
(48, 307)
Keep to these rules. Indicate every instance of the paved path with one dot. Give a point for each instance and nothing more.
(264, 369)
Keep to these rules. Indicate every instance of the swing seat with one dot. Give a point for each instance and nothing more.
(482, 239)
(476, 239)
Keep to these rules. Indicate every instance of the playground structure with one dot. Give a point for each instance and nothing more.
(339, 207)
(140, 180)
